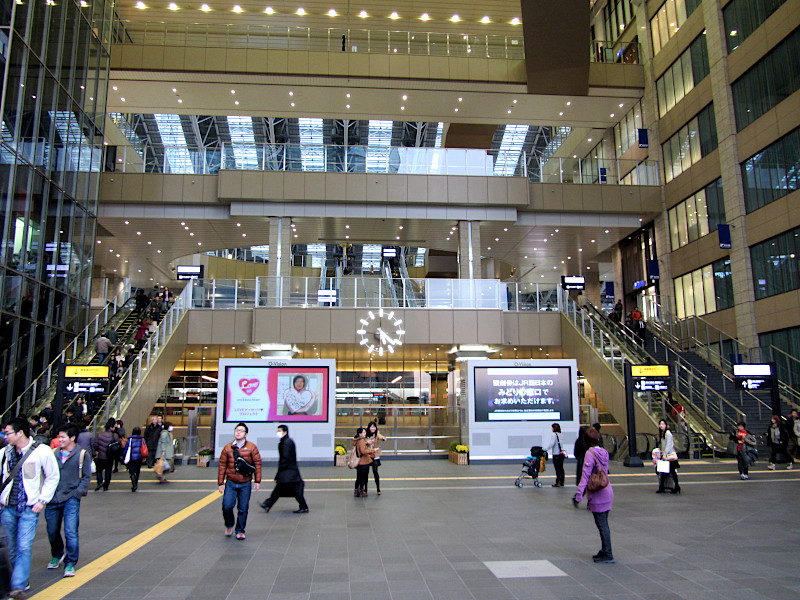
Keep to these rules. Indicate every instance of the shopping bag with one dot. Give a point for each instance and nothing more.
(662, 466)
(159, 468)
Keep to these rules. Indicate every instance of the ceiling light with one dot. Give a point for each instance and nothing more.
(612, 115)
(621, 105)
(191, 233)
(115, 88)
(347, 226)
(363, 14)
(149, 243)
(515, 21)
(173, 6)
(402, 108)
(205, 8)
(127, 222)
(199, 243)
(556, 230)
(561, 114)
(301, 11)
(496, 239)
(176, 89)
(455, 18)
(237, 8)
(123, 99)
(158, 251)
(244, 235)
(180, 101)
(394, 16)
(292, 104)
(606, 231)
(238, 224)
(138, 233)
(569, 103)
(332, 13)
(405, 97)
(424, 17)
(347, 237)
(347, 105)
(593, 241)
(505, 228)
(514, 101)
(489, 248)
(140, 5)
(269, 10)
(456, 110)
(509, 111)
(486, 20)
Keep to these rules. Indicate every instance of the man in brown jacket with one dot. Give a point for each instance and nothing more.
(239, 465)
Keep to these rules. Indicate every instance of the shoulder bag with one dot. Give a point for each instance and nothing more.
(599, 478)
(353, 459)
(240, 465)
(17, 467)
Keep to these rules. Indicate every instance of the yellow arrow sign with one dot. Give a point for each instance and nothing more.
(86, 371)
(650, 370)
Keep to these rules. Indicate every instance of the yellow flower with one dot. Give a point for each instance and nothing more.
(462, 449)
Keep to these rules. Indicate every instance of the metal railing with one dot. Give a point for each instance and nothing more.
(626, 53)
(332, 39)
(371, 292)
(125, 390)
(69, 354)
(184, 160)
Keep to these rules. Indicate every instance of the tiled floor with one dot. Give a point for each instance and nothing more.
(443, 532)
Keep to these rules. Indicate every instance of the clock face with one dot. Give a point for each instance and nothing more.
(380, 332)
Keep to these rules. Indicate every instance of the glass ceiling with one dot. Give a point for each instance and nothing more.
(312, 152)
(175, 146)
(243, 141)
(378, 145)
(510, 149)
(79, 152)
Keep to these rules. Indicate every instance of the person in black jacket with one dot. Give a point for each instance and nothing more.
(151, 434)
(580, 453)
(288, 482)
(793, 429)
(778, 440)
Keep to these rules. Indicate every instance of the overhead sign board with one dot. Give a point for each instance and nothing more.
(389, 252)
(86, 387)
(573, 282)
(327, 296)
(753, 384)
(752, 377)
(651, 384)
(187, 272)
(86, 371)
(752, 370)
(650, 370)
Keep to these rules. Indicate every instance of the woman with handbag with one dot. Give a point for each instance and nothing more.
(134, 452)
(364, 453)
(373, 441)
(599, 493)
(557, 453)
(165, 452)
(667, 453)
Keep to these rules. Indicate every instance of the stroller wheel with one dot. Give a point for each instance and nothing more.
(537, 483)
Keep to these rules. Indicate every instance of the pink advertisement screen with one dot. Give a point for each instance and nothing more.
(261, 394)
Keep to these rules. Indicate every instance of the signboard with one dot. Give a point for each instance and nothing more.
(637, 285)
(86, 371)
(653, 270)
(753, 384)
(650, 370)
(572, 282)
(724, 235)
(187, 272)
(752, 370)
(79, 386)
(523, 393)
(650, 378)
(327, 296)
(752, 377)
(643, 141)
(389, 252)
(603, 175)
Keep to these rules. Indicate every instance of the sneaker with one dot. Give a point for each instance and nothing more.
(17, 595)
(789, 466)
(771, 467)
(606, 558)
(745, 477)
(742, 476)
(69, 570)
(55, 562)
(240, 536)
(228, 531)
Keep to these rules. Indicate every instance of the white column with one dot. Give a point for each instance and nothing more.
(469, 250)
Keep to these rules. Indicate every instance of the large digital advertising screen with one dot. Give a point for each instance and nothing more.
(261, 394)
(523, 394)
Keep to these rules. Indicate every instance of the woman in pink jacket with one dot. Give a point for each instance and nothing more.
(598, 501)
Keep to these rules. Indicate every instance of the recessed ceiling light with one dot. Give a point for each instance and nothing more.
(149, 243)
(292, 104)
(237, 8)
(489, 248)
(291, 93)
(456, 110)
(244, 235)
(205, 8)
(455, 18)
(347, 95)
(514, 101)
(394, 16)
(233, 91)
(269, 10)
(509, 111)
(173, 6)
(561, 114)
(606, 231)
(158, 251)
(590, 139)
(238, 224)
(199, 243)
(621, 104)
(424, 17)
(363, 14)
(140, 5)
(174, 89)
(515, 21)
(127, 222)
(138, 233)
(236, 102)
(301, 11)
(180, 101)
(486, 20)
(115, 88)
(556, 230)
(402, 108)
(347, 105)
(347, 226)
(347, 237)
(612, 115)
(405, 97)
(460, 99)
(123, 99)
(332, 13)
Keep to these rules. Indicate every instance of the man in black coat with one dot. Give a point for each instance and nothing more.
(151, 434)
(288, 482)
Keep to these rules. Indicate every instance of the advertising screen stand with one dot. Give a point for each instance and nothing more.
(633, 459)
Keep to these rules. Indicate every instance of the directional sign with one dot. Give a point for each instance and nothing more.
(86, 387)
(650, 370)
(86, 371)
(651, 384)
(753, 383)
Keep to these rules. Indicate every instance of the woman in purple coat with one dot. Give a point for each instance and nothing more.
(598, 501)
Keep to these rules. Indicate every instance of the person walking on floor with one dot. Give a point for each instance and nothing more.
(365, 454)
(558, 454)
(24, 498)
(165, 451)
(239, 465)
(134, 453)
(75, 468)
(778, 441)
(288, 481)
(580, 452)
(106, 444)
(793, 429)
(744, 442)
(668, 453)
(151, 434)
(601, 499)
(374, 438)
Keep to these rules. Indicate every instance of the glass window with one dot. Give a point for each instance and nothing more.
(691, 218)
(742, 17)
(669, 19)
(775, 264)
(673, 227)
(773, 172)
(688, 295)
(679, 303)
(708, 288)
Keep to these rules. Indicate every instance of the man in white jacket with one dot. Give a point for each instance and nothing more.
(24, 497)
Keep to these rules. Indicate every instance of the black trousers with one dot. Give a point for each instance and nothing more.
(362, 477)
(578, 470)
(662, 477)
(375, 465)
(558, 465)
(292, 489)
(134, 468)
(151, 455)
(103, 471)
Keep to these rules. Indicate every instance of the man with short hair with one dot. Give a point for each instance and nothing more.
(239, 465)
(75, 466)
(288, 481)
(102, 346)
(151, 434)
(24, 497)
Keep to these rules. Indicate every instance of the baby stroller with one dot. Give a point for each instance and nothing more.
(532, 466)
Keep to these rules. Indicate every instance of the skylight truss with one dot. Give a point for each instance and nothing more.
(508, 156)
(78, 153)
(243, 142)
(312, 152)
(378, 146)
(175, 147)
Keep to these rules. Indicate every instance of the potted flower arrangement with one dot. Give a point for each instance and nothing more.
(204, 456)
(340, 456)
(458, 454)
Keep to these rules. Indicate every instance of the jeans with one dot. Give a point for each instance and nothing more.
(741, 461)
(558, 464)
(20, 531)
(69, 512)
(601, 520)
(236, 493)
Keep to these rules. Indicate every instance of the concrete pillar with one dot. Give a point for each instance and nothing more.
(280, 247)
(592, 291)
(469, 250)
(733, 188)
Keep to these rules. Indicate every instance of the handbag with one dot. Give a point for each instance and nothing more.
(662, 466)
(159, 468)
(671, 456)
(353, 459)
(127, 458)
(143, 450)
(599, 478)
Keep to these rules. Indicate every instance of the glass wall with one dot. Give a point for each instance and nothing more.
(767, 83)
(625, 132)
(617, 15)
(695, 140)
(785, 341)
(775, 264)
(705, 290)
(742, 17)
(682, 75)
(772, 173)
(697, 216)
(668, 19)
(56, 57)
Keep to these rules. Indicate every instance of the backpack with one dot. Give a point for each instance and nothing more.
(353, 459)
(599, 478)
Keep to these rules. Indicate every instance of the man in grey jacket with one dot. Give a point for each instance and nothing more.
(75, 464)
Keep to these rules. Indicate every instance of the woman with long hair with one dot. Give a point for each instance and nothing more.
(557, 453)
(374, 438)
(600, 499)
(365, 454)
(667, 453)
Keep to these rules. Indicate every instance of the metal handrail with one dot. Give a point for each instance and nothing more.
(47, 377)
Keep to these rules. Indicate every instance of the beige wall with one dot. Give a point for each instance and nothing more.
(595, 199)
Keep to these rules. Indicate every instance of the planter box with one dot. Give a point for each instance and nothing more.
(457, 458)
(203, 460)
(340, 460)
